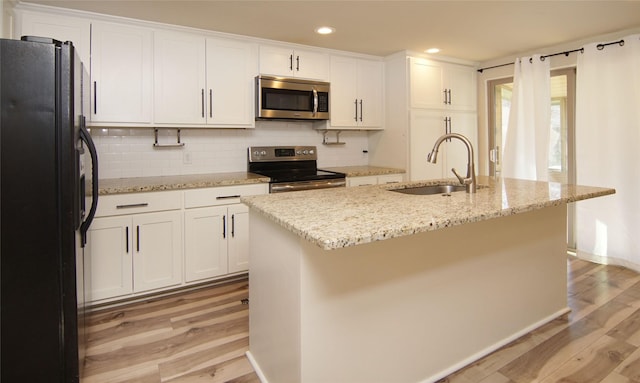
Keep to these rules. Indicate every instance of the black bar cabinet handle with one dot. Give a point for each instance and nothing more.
(233, 225)
(298, 63)
(224, 226)
(127, 233)
(202, 98)
(291, 62)
(138, 238)
(361, 110)
(132, 205)
(95, 97)
(356, 106)
(227, 196)
(211, 103)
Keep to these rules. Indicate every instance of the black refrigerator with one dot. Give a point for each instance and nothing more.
(48, 197)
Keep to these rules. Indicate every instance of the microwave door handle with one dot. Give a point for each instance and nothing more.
(315, 102)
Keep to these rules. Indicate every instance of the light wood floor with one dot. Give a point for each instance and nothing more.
(201, 336)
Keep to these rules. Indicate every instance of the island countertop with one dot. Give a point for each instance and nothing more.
(343, 217)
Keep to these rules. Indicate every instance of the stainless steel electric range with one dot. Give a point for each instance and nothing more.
(291, 168)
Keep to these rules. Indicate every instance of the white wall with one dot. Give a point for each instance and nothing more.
(126, 153)
(557, 62)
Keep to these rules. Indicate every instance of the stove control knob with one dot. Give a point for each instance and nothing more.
(263, 153)
(256, 153)
(305, 152)
(311, 151)
(298, 152)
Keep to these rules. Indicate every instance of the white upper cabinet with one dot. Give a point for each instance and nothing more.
(203, 81)
(59, 27)
(121, 73)
(356, 93)
(286, 62)
(179, 78)
(438, 85)
(231, 70)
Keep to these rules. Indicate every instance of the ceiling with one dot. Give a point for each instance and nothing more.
(472, 30)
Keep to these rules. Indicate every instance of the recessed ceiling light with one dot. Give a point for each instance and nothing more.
(325, 30)
(432, 50)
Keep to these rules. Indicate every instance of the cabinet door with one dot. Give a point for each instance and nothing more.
(205, 243)
(461, 80)
(279, 61)
(276, 61)
(59, 27)
(179, 78)
(157, 250)
(370, 93)
(344, 97)
(425, 128)
(110, 261)
(121, 68)
(426, 83)
(312, 65)
(230, 82)
(238, 238)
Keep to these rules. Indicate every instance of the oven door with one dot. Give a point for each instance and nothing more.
(281, 98)
(281, 187)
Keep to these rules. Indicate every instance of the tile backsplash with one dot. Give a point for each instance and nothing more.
(124, 153)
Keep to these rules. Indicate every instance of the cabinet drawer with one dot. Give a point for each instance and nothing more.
(362, 181)
(133, 203)
(222, 195)
(390, 179)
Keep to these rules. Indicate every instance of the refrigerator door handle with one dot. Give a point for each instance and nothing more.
(86, 137)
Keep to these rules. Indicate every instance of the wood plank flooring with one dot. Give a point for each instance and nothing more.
(198, 336)
(201, 336)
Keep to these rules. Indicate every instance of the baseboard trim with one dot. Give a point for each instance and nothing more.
(256, 367)
(481, 354)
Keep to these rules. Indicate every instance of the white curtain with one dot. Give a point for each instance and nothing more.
(608, 150)
(526, 141)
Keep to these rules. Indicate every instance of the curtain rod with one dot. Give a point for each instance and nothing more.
(566, 53)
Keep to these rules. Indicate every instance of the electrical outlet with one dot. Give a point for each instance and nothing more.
(187, 158)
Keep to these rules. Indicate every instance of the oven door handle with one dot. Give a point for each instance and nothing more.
(307, 185)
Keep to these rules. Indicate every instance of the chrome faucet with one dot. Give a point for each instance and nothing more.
(470, 180)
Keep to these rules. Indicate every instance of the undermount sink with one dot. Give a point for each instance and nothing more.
(431, 189)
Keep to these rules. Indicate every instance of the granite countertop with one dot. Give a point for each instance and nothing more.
(362, 171)
(148, 184)
(337, 218)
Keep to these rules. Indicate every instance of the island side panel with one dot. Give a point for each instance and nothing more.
(402, 310)
(416, 308)
(274, 300)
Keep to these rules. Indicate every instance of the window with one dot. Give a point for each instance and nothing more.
(561, 138)
(561, 127)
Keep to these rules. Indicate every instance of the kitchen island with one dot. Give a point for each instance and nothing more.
(370, 285)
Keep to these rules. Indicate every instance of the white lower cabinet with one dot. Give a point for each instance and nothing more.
(135, 253)
(157, 250)
(375, 180)
(111, 260)
(217, 231)
(157, 241)
(216, 241)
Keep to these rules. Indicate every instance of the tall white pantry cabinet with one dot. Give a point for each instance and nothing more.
(426, 98)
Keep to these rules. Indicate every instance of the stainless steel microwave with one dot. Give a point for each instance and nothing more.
(290, 98)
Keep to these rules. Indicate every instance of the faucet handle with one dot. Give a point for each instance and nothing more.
(463, 181)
